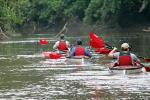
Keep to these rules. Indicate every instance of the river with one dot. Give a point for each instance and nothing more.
(26, 75)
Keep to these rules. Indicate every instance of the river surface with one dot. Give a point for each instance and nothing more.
(26, 75)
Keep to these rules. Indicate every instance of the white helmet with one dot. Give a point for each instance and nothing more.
(125, 46)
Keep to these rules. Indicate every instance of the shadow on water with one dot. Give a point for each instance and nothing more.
(25, 74)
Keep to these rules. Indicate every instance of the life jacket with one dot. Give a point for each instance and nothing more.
(62, 45)
(125, 59)
(79, 51)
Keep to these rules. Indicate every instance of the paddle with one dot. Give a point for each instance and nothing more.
(98, 43)
(43, 41)
(95, 41)
(103, 50)
(99, 40)
(146, 59)
(147, 68)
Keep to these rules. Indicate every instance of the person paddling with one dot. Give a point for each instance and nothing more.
(79, 50)
(62, 44)
(124, 57)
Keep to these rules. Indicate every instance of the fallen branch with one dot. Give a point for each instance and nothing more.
(64, 29)
(3, 34)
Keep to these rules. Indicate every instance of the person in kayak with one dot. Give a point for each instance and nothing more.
(79, 50)
(62, 44)
(124, 57)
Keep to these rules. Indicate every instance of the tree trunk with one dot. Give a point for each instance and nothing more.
(34, 28)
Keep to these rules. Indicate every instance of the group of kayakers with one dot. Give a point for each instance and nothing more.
(76, 50)
(124, 56)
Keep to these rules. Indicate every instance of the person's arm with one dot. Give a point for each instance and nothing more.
(72, 52)
(135, 58)
(112, 51)
(56, 45)
(68, 44)
(87, 53)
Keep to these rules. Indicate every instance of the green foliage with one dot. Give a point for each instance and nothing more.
(9, 14)
(77, 8)
(101, 10)
(55, 12)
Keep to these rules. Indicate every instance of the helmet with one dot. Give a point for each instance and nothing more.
(62, 36)
(125, 46)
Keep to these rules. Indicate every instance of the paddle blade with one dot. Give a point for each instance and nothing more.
(147, 68)
(55, 55)
(43, 41)
(147, 59)
(95, 41)
(103, 50)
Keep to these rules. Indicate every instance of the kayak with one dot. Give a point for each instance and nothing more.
(46, 54)
(126, 69)
(52, 55)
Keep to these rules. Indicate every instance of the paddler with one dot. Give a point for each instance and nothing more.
(62, 44)
(124, 57)
(79, 50)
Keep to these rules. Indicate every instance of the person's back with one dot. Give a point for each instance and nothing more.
(125, 59)
(62, 44)
(79, 50)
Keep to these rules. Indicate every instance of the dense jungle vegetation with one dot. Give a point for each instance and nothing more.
(49, 13)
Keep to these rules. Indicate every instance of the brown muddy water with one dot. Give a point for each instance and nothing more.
(26, 75)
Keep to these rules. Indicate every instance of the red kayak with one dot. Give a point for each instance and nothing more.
(127, 69)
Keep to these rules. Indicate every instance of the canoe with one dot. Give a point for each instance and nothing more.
(126, 69)
(46, 54)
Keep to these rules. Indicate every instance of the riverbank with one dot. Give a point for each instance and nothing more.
(79, 28)
(75, 28)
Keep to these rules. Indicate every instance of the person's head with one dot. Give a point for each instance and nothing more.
(125, 47)
(62, 36)
(79, 42)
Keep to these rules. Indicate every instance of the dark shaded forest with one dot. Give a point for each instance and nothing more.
(15, 15)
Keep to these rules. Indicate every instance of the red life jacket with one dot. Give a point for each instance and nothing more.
(125, 59)
(79, 51)
(62, 45)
